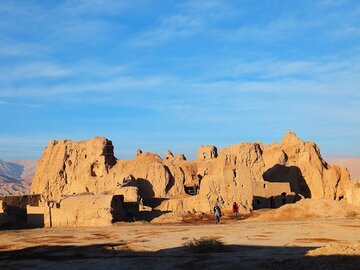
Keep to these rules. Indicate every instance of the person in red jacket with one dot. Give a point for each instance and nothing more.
(235, 209)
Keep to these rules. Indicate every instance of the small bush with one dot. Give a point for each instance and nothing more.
(351, 214)
(205, 245)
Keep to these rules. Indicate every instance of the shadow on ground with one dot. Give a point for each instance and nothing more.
(119, 255)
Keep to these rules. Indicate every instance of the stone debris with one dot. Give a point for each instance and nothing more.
(168, 154)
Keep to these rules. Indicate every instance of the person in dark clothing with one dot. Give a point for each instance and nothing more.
(217, 213)
(235, 209)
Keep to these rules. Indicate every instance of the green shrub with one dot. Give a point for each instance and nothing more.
(205, 245)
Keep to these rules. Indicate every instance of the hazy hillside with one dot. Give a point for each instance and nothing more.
(352, 164)
(28, 169)
(16, 176)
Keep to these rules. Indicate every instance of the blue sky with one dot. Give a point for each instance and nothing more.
(176, 74)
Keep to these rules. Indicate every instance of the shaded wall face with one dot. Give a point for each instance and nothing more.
(260, 202)
(36, 216)
(117, 210)
(291, 175)
(272, 194)
(15, 212)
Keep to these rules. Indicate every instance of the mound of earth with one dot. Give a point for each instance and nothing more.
(309, 209)
(169, 218)
(336, 249)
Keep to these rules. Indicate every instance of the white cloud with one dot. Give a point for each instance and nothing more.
(86, 7)
(32, 70)
(117, 84)
(283, 27)
(224, 77)
(176, 26)
(192, 18)
(12, 48)
(347, 32)
(333, 2)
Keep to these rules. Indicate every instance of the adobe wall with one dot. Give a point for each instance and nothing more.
(272, 195)
(36, 216)
(13, 209)
(268, 189)
(85, 210)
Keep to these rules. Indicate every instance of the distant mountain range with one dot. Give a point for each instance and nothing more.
(352, 164)
(16, 176)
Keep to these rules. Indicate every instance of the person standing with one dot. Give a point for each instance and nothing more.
(235, 209)
(217, 213)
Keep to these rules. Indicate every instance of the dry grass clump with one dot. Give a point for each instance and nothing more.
(351, 214)
(205, 245)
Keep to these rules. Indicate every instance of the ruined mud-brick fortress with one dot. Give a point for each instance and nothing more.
(83, 184)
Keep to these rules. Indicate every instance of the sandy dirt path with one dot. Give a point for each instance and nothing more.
(256, 245)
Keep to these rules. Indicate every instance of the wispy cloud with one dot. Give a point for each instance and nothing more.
(86, 7)
(348, 32)
(20, 104)
(227, 76)
(284, 27)
(32, 70)
(16, 48)
(272, 69)
(81, 21)
(333, 2)
(193, 18)
(114, 85)
(176, 26)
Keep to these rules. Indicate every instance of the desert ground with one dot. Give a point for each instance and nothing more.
(315, 243)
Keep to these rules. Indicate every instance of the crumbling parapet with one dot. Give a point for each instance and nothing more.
(207, 152)
(168, 154)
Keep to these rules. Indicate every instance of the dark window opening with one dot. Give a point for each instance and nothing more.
(192, 190)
